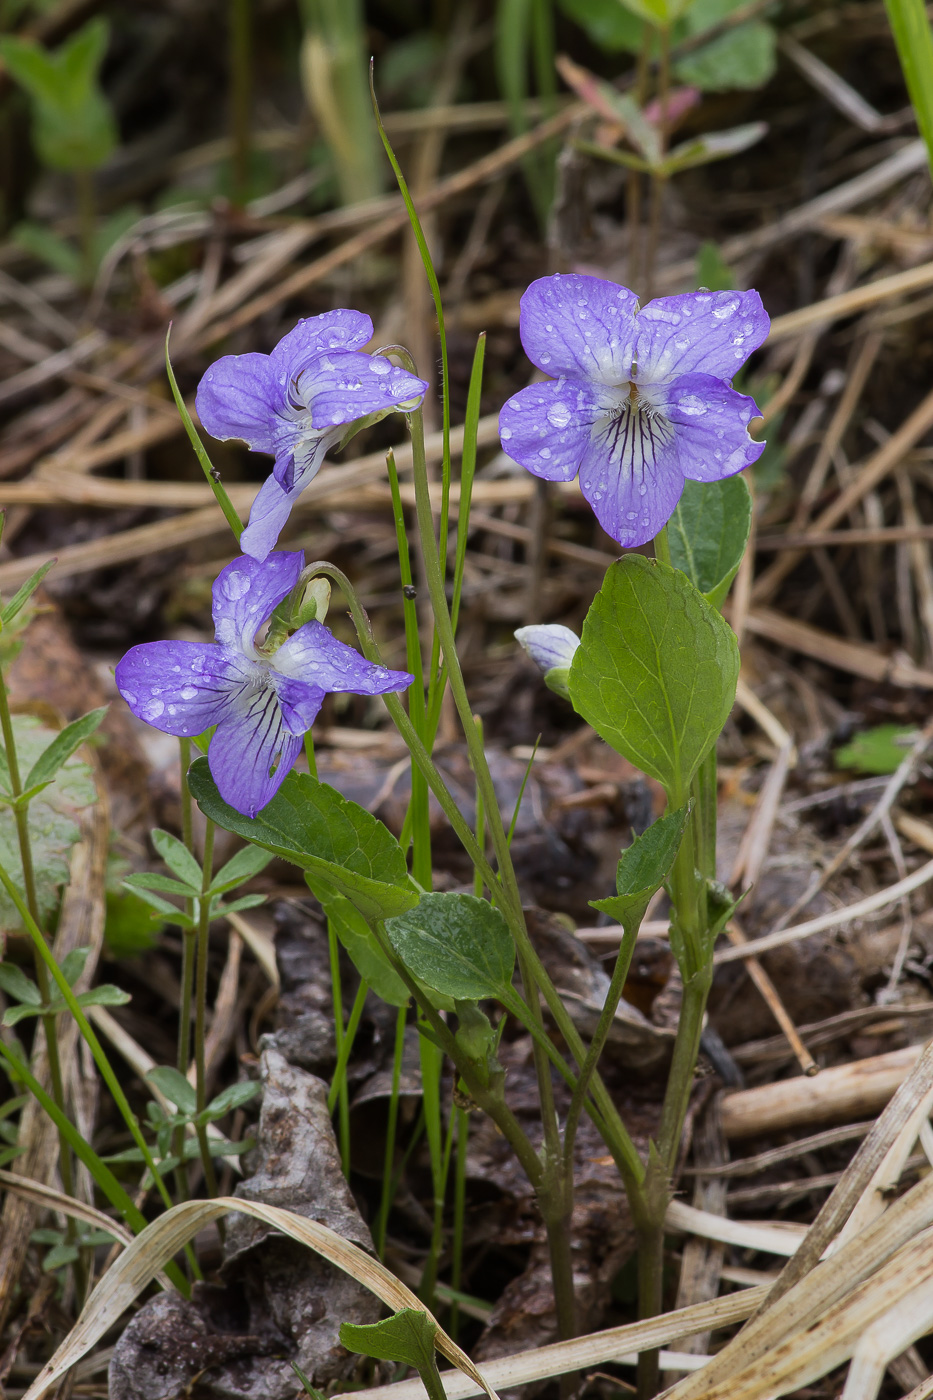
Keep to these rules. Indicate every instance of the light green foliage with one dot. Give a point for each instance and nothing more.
(9, 1150)
(656, 672)
(73, 124)
(23, 990)
(186, 881)
(456, 944)
(713, 273)
(163, 1126)
(878, 750)
(407, 1337)
(53, 826)
(336, 841)
(742, 57)
(63, 1251)
(910, 26)
(129, 929)
(47, 246)
(643, 867)
(360, 942)
(708, 532)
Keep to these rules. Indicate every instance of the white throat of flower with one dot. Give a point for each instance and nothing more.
(633, 432)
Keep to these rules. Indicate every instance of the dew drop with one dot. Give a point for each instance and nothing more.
(693, 406)
(559, 415)
(152, 710)
(189, 693)
(379, 366)
(545, 453)
(236, 584)
(548, 328)
(505, 434)
(545, 359)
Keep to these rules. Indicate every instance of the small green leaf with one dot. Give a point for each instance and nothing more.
(713, 272)
(407, 1337)
(52, 820)
(24, 593)
(246, 901)
(643, 867)
(878, 750)
(235, 1096)
(129, 929)
(73, 124)
(708, 533)
(14, 1014)
(456, 944)
(240, 868)
(175, 1087)
(656, 671)
(742, 59)
(15, 983)
(712, 146)
(178, 858)
(360, 942)
(104, 995)
(73, 964)
(311, 825)
(58, 1256)
(162, 906)
(63, 746)
(152, 880)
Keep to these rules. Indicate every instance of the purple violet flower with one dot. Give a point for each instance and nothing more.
(261, 704)
(642, 400)
(297, 403)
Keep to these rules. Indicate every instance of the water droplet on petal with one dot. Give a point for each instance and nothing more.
(505, 434)
(152, 710)
(558, 415)
(189, 693)
(692, 405)
(545, 359)
(236, 584)
(545, 453)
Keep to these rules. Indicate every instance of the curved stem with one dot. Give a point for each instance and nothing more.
(200, 1008)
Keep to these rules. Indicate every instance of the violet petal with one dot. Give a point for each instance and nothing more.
(632, 492)
(341, 329)
(698, 332)
(300, 703)
(710, 423)
(246, 592)
(314, 655)
(181, 688)
(247, 744)
(270, 510)
(345, 386)
(581, 327)
(237, 398)
(546, 427)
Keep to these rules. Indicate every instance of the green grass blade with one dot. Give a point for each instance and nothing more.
(467, 472)
(914, 40)
(210, 473)
(99, 1170)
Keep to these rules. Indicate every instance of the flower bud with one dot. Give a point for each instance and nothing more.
(314, 603)
(551, 647)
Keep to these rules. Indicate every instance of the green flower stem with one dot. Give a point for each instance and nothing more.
(87, 1031)
(212, 476)
(456, 1265)
(385, 1205)
(189, 940)
(419, 815)
(603, 1026)
(491, 1101)
(200, 1008)
(21, 817)
(309, 754)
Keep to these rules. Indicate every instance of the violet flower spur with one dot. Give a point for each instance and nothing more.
(262, 704)
(297, 403)
(642, 400)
